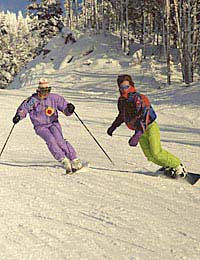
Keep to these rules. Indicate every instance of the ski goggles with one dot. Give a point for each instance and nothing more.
(44, 91)
(125, 87)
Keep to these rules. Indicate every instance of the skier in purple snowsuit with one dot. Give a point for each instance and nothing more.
(43, 108)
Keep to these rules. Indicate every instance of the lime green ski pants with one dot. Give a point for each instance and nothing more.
(151, 146)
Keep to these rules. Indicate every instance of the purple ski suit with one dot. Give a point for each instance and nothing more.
(44, 116)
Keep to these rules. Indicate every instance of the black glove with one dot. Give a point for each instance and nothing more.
(110, 130)
(70, 108)
(16, 119)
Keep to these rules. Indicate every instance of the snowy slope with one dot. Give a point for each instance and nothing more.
(105, 212)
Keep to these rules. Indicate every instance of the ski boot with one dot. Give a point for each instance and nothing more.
(175, 173)
(76, 165)
(181, 171)
(67, 165)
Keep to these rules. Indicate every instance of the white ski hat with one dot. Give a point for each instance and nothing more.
(43, 83)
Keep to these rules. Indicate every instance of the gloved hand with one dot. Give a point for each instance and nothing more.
(133, 141)
(16, 119)
(70, 108)
(110, 130)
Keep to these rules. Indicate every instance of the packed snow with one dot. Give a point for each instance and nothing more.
(102, 212)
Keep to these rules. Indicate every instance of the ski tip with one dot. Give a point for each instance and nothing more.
(192, 178)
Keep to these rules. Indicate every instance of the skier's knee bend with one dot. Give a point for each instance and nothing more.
(61, 144)
(51, 144)
(150, 158)
(51, 141)
(156, 156)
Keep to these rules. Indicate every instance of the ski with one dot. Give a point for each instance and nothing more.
(85, 165)
(192, 178)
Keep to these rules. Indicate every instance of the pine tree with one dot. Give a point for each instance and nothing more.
(50, 20)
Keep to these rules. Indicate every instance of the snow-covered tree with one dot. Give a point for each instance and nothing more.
(22, 38)
(50, 19)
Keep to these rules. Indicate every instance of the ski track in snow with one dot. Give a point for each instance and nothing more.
(103, 212)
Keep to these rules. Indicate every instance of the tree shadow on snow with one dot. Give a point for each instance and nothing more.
(179, 129)
(31, 164)
(147, 173)
(49, 164)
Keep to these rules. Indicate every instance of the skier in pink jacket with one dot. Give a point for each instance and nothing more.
(43, 108)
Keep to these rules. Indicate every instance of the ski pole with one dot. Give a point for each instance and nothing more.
(93, 137)
(7, 139)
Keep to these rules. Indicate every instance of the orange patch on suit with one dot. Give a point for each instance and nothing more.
(49, 111)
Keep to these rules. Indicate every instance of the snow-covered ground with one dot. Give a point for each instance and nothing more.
(104, 212)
